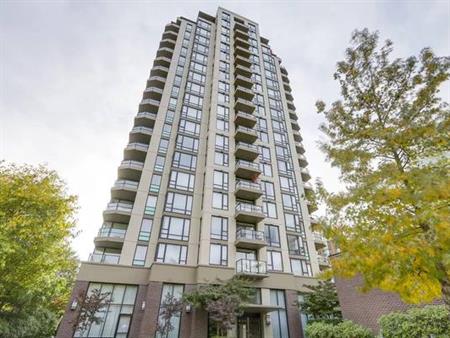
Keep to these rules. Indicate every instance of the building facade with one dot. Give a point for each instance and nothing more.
(213, 184)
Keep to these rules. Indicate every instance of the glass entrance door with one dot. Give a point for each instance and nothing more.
(249, 326)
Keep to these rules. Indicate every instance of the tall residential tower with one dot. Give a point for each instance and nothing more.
(212, 185)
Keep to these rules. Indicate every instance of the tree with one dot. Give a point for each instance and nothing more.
(37, 266)
(389, 136)
(170, 307)
(346, 329)
(223, 302)
(322, 303)
(91, 305)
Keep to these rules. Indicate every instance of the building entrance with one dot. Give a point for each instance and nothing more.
(250, 326)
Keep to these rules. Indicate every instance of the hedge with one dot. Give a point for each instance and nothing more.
(345, 329)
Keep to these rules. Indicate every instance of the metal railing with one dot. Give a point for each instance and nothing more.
(143, 130)
(248, 207)
(132, 164)
(249, 234)
(112, 232)
(246, 115)
(146, 114)
(249, 266)
(104, 258)
(248, 185)
(119, 206)
(246, 129)
(248, 164)
(137, 146)
(247, 145)
(126, 184)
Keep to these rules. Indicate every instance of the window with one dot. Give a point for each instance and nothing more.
(225, 66)
(223, 112)
(163, 145)
(264, 153)
(272, 235)
(187, 143)
(219, 228)
(171, 253)
(268, 189)
(284, 166)
(222, 125)
(278, 318)
(175, 91)
(220, 180)
(184, 161)
(198, 67)
(170, 115)
(189, 127)
(201, 48)
(199, 57)
(287, 184)
(195, 88)
(274, 262)
(224, 75)
(150, 205)
(297, 245)
(167, 128)
(221, 142)
(218, 254)
(199, 78)
(159, 163)
(178, 203)
(224, 86)
(146, 229)
(191, 113)
(220, 200)
(139, 255)
(181, 181)
(263, 137)
(301, 267)
(282, 152)
(173, 103)
(221, 158)
(280, 138)
(175, 228)
(168, 291)
(115, 316)
(155, 183)
(106, 255)
(266, 169)
(293, 222)
(193, 100)
(289, 202)
(269, 209)
(223, 98)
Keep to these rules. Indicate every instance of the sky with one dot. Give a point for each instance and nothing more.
(72, 75)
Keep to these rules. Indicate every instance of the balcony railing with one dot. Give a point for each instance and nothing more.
(246, 207)
(126, 184)
(249, 235)
(318, 237)
(249, 266)
(104, 258)
(246, 130)
(143, 130)
(247, 146)
(247, 185)
(323, 260)
(112, 232)
(132, 164)
(119, 206)
(247, 164)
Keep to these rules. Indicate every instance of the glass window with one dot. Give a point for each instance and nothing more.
(220, 180)
(297, 245)
(197, 77)
(223, 98)
(169, 291)
(219, 228)
(146, 229)
(175, 228)
(195, 88)
(270, 209)
(150, 205)
(155, 183)
(218, 254)
(181, 181)
(139, 255)
(171, 253)
(220, 200)
(222, 125)
(193, 100)
(223, 112)
(159, 163)
(274, 262)
(187, 143)
(293, 222)
(301, 267)
(221, 158)
(184, 161)
(189, 127)
(167, 128)
(163, 145)
(221, 142)
(224, 86)
(264, 153)
(178, 203)
(289, 202)
(263, 137)
(266, 169)
(268, 189)
(272, 235)
(278, 317)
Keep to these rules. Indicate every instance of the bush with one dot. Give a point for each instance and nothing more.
(346, 329)
(417, 322)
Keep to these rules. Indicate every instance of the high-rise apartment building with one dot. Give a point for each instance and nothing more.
(212, 185)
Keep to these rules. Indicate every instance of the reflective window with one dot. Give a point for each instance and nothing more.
(187, 143)
(150, 205)
(219, 228)
(218, 254)
(182, 181)
(178, 203)
(220, 180)
(139, 255)
(278, 318)
(171, 253)
(184, 161)
(146, 229)
(221, 158)
(301, 267)
(175, 228)
(274, 262)
(272, 235)
(270, 209)
(220, 200)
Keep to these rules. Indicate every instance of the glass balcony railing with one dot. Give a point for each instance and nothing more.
(249, 266)
(249, 235)
(247, 185)
(248, 146)
(104, 258)
(248, 207)
(247, 164)
(142, 130)
(132, 164)
(146, 114)
(246, 130)
(112, 232)
(318, 237)
(126, 184)
(119, 206)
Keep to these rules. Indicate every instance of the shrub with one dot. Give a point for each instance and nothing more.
(346, 329)
(417, 322)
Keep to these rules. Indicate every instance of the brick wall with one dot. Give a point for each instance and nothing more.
(293, 316)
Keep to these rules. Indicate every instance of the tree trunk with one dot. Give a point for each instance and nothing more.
(444, 280)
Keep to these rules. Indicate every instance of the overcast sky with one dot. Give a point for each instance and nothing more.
(73, 72)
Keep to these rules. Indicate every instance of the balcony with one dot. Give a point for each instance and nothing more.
(283, 70)
(156, 81)
(245, 134)
(308, 187)
(244, 105)
(248, 213)
(153, 93)
(299, 147)
(118, 212)
(248, 190)
(243, 71)
(145, 119)
(130, 170)
(141, 135)
(243, 81)
(245, 119)
(162, 61)
(244, 93)
(149, 105)
(295, 125)
(315, 224)
(135, 152)
(240, 27)
(242, 61)
(249, 239)
(251, 268)
(246, 151)
(290, 104)
(289, 96)
(324, 262)
(297, 136)
(110, 237)
(164, 52)
(172, 27)
(306, 176)
(238, 41)
(319, 241)
(124, 190)
(247, 170)
(167, 43)
(293, 115)
(159, 71)
(302, 161)
(241, 51)
(311, 207)
(287, 86)
(170, 35)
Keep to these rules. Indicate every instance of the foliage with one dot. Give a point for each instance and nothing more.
(91, 305)
(37, 266)
(322, 303)
(417, 323)
(346, 329)
(223, 301)
(170, 307)
(389, 136)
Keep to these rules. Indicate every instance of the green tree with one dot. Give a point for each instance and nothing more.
(322, 303)
(37, 266)
(389, 136)
(346, 329)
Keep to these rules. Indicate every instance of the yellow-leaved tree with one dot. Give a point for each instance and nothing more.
(388, 135)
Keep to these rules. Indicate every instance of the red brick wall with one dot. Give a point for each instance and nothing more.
(293, 315)
(366, 308)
